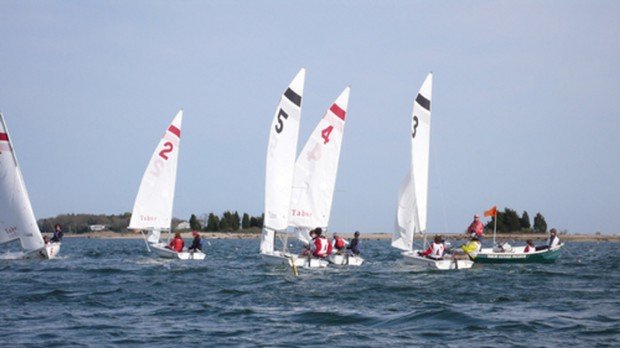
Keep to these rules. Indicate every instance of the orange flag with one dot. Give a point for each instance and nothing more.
(491, 212)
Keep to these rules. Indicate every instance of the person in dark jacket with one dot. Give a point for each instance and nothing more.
(354, 244)
(58, 234)
(196, 243)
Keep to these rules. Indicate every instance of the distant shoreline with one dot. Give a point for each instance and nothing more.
(368, 236)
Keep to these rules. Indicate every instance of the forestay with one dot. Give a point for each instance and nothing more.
(316, 169)
(152, 209)
(17, 220)
(280, 163)
(412, 197)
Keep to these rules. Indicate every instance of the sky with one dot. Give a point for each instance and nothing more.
(525, 109)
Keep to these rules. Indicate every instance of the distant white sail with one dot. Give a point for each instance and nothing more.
(280, 163)
(316, 170)
(413, 195)
(17, 220)
(153, 206)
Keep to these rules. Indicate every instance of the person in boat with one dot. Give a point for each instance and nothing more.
(469, 250)
(46, 239)
(177, 243)
(476, 228)
(58, 234)
(320, 247)
(552, 242)
(436, 250)
(354, 245)
(529, 247)
(196, 243)
(339, 243)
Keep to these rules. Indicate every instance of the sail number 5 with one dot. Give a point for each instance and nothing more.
(280, 124)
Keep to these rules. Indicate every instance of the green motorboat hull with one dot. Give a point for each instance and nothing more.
(546, 256)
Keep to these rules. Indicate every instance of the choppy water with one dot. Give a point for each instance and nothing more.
(111, 293)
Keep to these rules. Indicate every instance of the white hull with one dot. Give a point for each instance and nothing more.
(163, 252)
(345, 260)
(412, 257)
(49, 251)
(282, 258)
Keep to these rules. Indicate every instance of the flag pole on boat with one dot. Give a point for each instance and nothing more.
(492, 212)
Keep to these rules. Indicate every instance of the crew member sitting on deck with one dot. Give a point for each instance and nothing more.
(552, 242)
(476, 228)
(435, 251)
(320, 246)
(529, 247)
(58, 234)
(354, 246)
(339, 243)
(469, 250)
(177, 243)
(196, 243)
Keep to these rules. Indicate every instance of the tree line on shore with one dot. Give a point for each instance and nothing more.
(509, 221)
(82, 223)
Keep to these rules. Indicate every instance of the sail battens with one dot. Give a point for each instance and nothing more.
(337, 110)
(293, 97)
(425, 103)
(174, 130)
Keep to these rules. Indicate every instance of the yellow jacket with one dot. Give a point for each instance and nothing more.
(471, 248)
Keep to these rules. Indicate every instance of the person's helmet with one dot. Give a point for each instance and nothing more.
(318, 231)
(476, 216)
(335, 234)
(357, 233)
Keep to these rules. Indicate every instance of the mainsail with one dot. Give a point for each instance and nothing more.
(316, 169)
(152, 209)
(280, 163)
(412, 197)
(17, 220)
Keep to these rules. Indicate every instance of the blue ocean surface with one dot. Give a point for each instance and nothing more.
(113, 293)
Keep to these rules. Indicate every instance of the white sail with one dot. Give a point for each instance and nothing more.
(152, 209)
(17, 219)
(280, 163)
(413, 195)
(316, 169)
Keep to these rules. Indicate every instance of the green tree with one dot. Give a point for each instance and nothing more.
(511, 220)
(245, 221)
(540, 225)
(525, 221)
(235, 222)
(213, 223)
(224, 223)
(194, 224)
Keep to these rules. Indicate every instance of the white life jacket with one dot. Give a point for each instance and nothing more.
(437, 250)
(554, 243)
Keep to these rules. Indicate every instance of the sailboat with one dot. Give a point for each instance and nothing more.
(279, 172)
(17, 220)
(316, 169)
(152, 210)
(412, 197)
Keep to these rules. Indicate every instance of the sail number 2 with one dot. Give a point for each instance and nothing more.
(168, 147)
(158, 164)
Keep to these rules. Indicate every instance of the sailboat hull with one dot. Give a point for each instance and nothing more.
(163, 252)
(49, 251)
(283, 258)
(412, 257)
(345, 260)
(487, 255)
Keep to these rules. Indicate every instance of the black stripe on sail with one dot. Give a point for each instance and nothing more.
(425, 103)
(293, 97)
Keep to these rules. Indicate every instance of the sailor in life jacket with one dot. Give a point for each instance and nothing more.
(435, 251)
(529, 247)
(472, 248)
(339, 243)
(177, 243)
(319, 245)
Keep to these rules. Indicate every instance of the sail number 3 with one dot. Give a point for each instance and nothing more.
(415, 126)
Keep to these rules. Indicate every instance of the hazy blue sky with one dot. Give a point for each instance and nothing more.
(525, 102)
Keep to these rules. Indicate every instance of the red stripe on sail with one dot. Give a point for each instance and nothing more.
(337, 111)
(4, 137)
(174, 130)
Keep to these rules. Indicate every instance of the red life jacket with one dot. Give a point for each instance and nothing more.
(339, 243)
(322, 247)
(177, 244)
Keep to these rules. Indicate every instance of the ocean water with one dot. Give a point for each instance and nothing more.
(112, 293)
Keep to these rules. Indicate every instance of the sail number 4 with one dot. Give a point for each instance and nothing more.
(325, 133)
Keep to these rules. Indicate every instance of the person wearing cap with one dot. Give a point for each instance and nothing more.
(436, 250)
(339, 243)
(196, 242)
(552, 242)
(177, 243)
(354, 245)
(476, 228)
